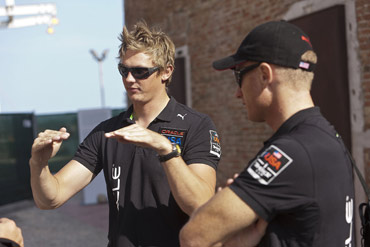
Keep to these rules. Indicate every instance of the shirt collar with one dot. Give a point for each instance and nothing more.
(127, 115)
(296, 119)
(165, 115)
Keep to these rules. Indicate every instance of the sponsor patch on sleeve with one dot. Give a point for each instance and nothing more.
(215, 144)
(177, 136)
(267, 166)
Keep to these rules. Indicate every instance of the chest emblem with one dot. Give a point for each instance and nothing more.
(181, 116)
(176, 136)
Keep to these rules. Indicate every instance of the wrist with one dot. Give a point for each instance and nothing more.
(37, 162)
(175, 152)
(165, 148)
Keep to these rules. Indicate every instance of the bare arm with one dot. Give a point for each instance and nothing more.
(51, 191)
(191, 185)
(9, 230)
(225, 220)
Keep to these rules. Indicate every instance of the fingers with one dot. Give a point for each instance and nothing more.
(229, 181)
(48, 142)
(135, 134)
(132, 133)
(49, 136)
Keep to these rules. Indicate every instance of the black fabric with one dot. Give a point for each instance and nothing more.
(7, 243)
(146, 213)
(301, 183)
(364, 210)
(276, 42)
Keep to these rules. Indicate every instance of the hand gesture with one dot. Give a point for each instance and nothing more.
(9, 230)
(47, 144)
(143, 137)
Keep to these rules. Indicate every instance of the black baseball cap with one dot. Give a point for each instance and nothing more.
(276, 42)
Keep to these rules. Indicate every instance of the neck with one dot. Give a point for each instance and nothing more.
(145, 112)
(287, 106)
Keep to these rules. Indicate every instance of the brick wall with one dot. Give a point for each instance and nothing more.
(213, 29)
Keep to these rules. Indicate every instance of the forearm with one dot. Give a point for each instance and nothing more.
(44, 186)
(188, 188)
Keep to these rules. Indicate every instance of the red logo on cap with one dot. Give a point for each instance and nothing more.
(306, 39)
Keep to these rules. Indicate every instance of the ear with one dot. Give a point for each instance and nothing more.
(166, 74)
(267, 75)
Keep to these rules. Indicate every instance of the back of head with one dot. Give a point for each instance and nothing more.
(152, 42)
(281, 44)
(297, 79)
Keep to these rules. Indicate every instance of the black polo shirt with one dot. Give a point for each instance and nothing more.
(142, 210)
(301, 183)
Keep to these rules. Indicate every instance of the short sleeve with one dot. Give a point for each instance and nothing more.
(203, 144)
(88, 151)
(279, 179)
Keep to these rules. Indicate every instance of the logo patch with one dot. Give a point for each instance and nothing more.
(267, 166)
(176, 136)
(215, 143)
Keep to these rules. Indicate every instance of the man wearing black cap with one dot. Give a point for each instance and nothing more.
(298, 189)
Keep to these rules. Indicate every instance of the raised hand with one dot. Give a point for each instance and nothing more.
(47, 144)
(143, 137)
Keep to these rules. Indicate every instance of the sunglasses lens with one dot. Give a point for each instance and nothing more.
(123, 70)
(137, 73)
(140, 73)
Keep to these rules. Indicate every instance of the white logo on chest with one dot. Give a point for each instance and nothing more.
(181, 116)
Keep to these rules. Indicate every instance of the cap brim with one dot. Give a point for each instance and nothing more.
(227, 63)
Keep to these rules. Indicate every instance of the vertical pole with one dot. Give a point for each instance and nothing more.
(102, 95)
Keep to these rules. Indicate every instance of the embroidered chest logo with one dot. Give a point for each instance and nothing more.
(215, 143)
(181, 116)
(176, 136)
(267, 166)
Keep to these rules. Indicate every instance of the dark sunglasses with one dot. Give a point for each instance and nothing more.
(136, 72)
(240, 73)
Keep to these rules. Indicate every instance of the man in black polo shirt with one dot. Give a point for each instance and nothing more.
(159, 157)
(298, 189)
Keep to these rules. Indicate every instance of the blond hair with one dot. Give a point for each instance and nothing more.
(152, 42)
(298, 78)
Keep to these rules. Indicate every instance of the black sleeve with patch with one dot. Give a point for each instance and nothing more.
(202, 144)
(279, 179)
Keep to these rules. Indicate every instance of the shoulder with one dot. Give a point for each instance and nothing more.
(192, 116)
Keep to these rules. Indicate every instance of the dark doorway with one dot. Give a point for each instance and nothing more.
(330, 92)
(177, 88)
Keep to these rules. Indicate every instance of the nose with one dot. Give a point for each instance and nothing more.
(129, 77)
(238, 93)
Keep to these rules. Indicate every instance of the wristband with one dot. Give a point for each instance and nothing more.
(176, 152)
